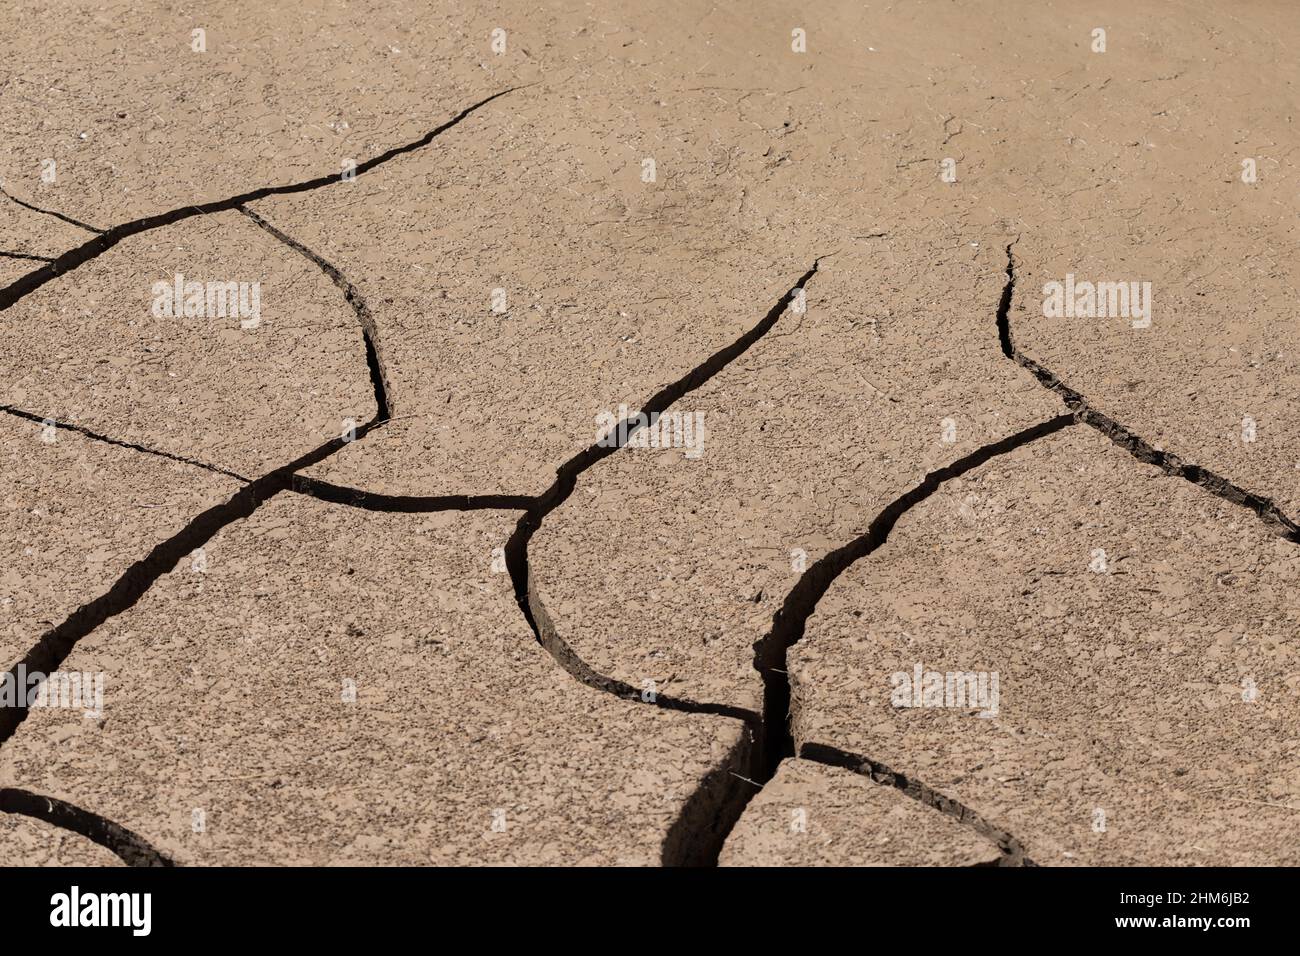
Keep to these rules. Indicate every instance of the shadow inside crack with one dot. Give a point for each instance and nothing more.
(774, 742)
(130, 847)
(406, 504)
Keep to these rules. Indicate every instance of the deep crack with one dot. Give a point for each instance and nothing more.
(775, 741)
(789, 621)
(406, 504)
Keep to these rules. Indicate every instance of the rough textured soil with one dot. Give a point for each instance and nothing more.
(378, 565)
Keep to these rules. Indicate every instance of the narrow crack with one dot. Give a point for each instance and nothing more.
(406, 504)
(369, 335)
(539, 619)
(1265, 509)
(131, 848)
(1013, 852)
(54, 647)
(717, 803)
(369, 330)
(774, 738)
(776, 741)
(96, 436)
(50, 212)
(316, 487)
(696, 835)
(24, 255)
(109, 238)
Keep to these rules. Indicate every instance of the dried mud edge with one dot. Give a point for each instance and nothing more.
(1265, 509)
(131, 848)
(54, 646)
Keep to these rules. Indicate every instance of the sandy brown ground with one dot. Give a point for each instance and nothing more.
(365, 589)
(814, 815)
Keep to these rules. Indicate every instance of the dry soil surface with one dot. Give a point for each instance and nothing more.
(651, 434)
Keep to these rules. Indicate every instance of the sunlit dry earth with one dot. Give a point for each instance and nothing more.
(626, 434)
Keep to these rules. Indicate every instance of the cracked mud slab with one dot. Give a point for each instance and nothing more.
(77, 514)
(813, 815)
(656, 571)
(1147, 712)
(666, 569)
(225, 695)
(541, 290)
(205, 386)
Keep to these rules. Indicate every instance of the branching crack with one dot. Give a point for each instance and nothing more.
(711, 812)
(107, 239)
(54, 646)
(1266, 510)
(775, 741)
(788, 624)
(566, 480)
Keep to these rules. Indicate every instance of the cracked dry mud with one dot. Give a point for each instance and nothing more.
(366, 586)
